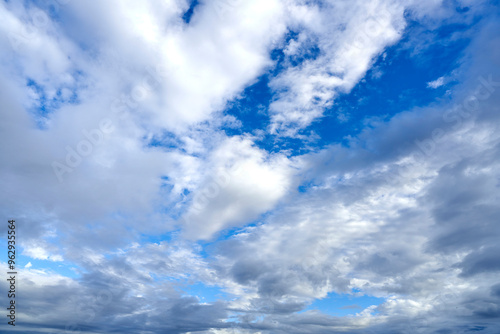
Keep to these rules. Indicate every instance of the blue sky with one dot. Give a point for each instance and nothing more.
(263, 166)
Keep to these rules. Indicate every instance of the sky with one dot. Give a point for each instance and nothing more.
(254, 167)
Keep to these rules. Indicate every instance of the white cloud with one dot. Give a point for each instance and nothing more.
(241, 183)
(40, 253)
(349, 37)
(436, 83)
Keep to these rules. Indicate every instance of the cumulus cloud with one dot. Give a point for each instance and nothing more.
(242, 183)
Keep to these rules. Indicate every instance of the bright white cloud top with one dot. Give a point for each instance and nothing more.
(264, 166)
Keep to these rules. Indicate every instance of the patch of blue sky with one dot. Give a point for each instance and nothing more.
(51, 7)
(155, 277)
(477, 328)
(229, 233)
(252, 110)
(204, 293)
(207, 248)
(252, 107)
(158, 238)
(166, 185)
(309, 50)
(303, 188)
(189, 13)
(42, 104)
(166, 140)
(39, 96)
(343, 304)
(63, 268)
(406, 73)
(175, 280)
